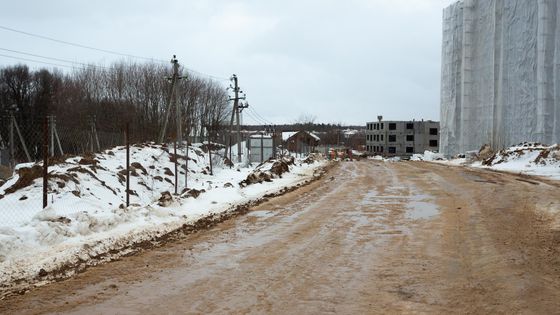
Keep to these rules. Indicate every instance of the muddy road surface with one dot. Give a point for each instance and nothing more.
(369, 238)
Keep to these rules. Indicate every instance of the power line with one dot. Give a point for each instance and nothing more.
(253, 118)
(259, 116)
(55, 59)
(105, 51)
(75, 65)
(79, 45)
(37, 61)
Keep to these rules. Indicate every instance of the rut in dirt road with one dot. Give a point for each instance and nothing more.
(371, 237)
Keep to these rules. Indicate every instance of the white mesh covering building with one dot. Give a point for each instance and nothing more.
(500, 74)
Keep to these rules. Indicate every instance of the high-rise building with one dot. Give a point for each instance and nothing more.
(500, 74)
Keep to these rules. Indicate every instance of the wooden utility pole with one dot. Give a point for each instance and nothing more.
(173, 102)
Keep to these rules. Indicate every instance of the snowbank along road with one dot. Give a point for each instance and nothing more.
(369, 238)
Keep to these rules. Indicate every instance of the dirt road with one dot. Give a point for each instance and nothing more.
(369, 238)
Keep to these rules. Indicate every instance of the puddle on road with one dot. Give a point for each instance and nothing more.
(261, 214)
(421, 208)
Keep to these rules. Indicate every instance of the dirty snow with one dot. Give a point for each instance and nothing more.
(86, 218)
(427, 156)
(526, 158)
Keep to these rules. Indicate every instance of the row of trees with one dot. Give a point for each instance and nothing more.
(123, 92)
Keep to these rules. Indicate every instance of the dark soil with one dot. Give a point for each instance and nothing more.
(26, 177)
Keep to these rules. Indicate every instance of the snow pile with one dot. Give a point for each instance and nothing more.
(86, 219)
(527, 158)
(427, 156)
(360, 154)
(97, 182)
(268, 170)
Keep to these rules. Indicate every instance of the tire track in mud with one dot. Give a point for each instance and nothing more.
(368, 238)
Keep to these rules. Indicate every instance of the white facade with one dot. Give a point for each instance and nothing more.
(500, 74)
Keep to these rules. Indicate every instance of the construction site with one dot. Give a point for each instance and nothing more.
(146, 187)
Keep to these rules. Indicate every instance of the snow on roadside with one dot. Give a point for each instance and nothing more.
(525, 158)
(87, 221)
(427, 156)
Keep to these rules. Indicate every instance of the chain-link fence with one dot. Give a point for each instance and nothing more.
(92, 169)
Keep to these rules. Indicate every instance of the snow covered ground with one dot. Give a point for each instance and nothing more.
(526, 158)
(86, 217)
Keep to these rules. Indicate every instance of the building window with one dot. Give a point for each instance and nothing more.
(392, 150)
(381, 149)
(382, 126)
(409, 138)
(392, 138)
(433, 131)
(433, 143)
(392, 126)
(409, 150)
(409, 126)
(381, 137)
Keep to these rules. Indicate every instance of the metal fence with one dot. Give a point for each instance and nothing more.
(88, 168)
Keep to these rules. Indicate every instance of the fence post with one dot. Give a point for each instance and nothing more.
(187, 162)
(45, 160)
(229, 148)
(210, 154)
(12, 146)
(127, 139)
(262, 149)
(176, 162)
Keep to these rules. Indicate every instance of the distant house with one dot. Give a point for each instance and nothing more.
(302, 142)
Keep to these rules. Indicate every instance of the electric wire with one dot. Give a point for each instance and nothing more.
(106, 51)
(38, 61)
(52, 58)
(258, 121)
(78, 45)
(260, 117)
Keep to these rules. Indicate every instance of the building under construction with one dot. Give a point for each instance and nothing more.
(500, 74)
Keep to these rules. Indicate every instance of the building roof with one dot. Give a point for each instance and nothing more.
(266, 136)
(288, 134)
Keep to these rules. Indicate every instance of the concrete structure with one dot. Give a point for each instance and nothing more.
(401, 138)
(500, 74)
(261, 148)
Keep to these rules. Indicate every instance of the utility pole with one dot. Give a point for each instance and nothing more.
(173, 101)
(12, 147)
(237, 108)
(24, 146)
(53, 134)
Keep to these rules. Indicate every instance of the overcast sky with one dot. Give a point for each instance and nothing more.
(341, 61)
